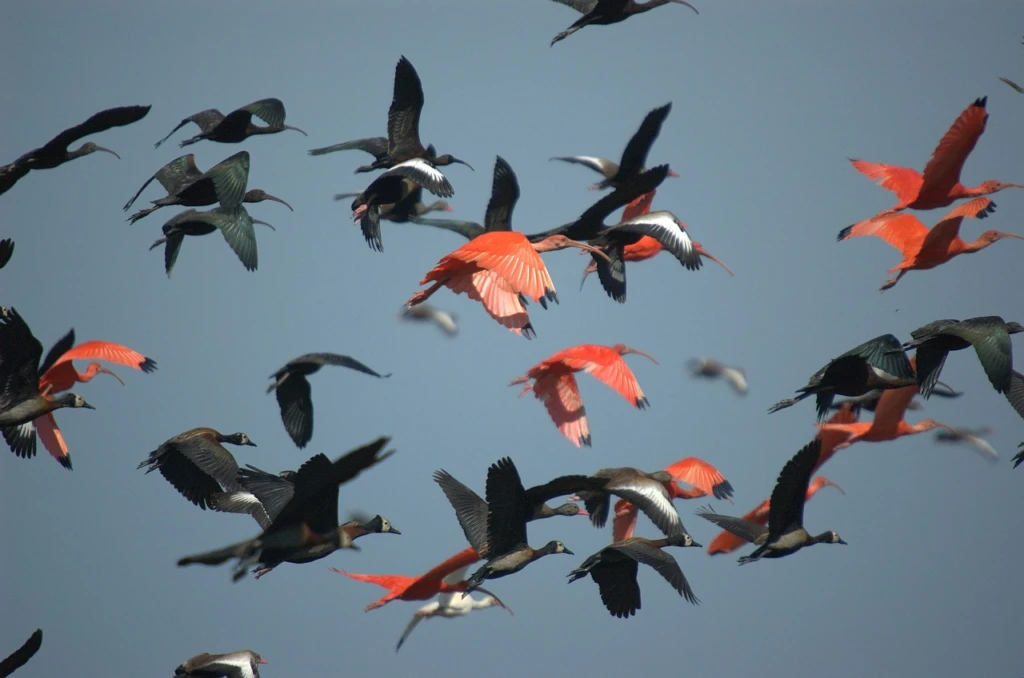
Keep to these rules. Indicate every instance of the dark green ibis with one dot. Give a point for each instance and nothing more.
(880, 363)
(989, 335)
(20, 657)
(21, 401)
(55, 153)
(785, 533)
(234, 223)
(293, 391)
(6, 251)
(223, 183)
(241, 664)
(410, 206)
(614, 569)
(606, 12)
(237, 125)
(309, 519)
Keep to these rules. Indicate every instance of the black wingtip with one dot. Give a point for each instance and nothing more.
(845, 233)
(586, 440)
(722, 490)
(981, 103)
(65, 461)
(642, 402)
(148, 365)
(528, 331)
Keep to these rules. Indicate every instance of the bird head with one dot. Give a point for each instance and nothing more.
(832, 537)
(448, 159)
(561, 242)
(993, 186)
(238, 439)
(682, 540)
(90, 147)
(622, 349)
(380, 525)
(556, 547)
(989, 237)
(1014, 327)
(570, 509)
(74, 400)
(259, 195)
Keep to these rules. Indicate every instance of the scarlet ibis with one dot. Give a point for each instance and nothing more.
(878, 363)
(391, 187)
(21, 401)
(225, 183)
(241, 664)
(634, 157)
(237, 125)
(197, 464)
(234, 223)
(970, 436)
(446, 321)
(294, 395)
(309, 519)
(20, 657)
(6, 251)
(709, 368)
(55, 153)
(990, 336)
(410, 206)
(509, 510)
(554, 383)
(605, 12)
(614, 569)
(449, 606)
(785, 533)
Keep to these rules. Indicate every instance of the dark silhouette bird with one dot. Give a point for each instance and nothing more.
(990, 336)
(6, 251)
(293, 392)
(446, 321)
(225, 183)
(21, 401)
(508, 510)
(410, 206)
(19, 657)
(197, 464)
(785, 533)
(634, 157)
(606, 12)
(614, 569)
(309, 519)
(375, 146)
(391, 187)
(879, 363)
(975, 437)
(237, 125)
(241, 664)
(234, 223)
(708, 368)
(56, 153)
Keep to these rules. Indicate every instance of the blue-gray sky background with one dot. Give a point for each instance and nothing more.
(769, 99)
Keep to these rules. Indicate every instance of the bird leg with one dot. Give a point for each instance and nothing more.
(423, 295)
(141, 213)
(358, 213)
(522, 380)
(891, 282)
(159, 242)
(46, 391)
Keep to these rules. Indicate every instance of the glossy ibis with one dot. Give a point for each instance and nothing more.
(309, 519)
(785, 533)
(606, 12)
(375, 146)
(197, 464)
(241, 664)
(6, 251)
(21, 401)
(223, 183)
(709, 368)
(990, 336)
(445, 320)
(410, 206)
(237, 125)
(449, 606)
(20, 657)
(234, 223)
(879, 363)
(391, 187)
(56, 153)
(293, 391)
(634, 157)
(614, 569)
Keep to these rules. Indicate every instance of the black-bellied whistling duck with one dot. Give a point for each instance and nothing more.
(19, 657)
(237, 125)
(293, 391)
(241, 664)
(710, 368)
(606, 12)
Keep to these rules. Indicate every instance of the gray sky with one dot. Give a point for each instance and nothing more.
(769, 99)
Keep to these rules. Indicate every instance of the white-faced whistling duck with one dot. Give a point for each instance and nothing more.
(21, 402)
(710, 368)
(990, 336)
(606, 12)
(472, 510)
(450, 605)
(973, 437)
(446, 321)
(646, 491)
(223, 183)
(19, 657)
(234, 223)
(375, 146)
(309, 519)
(634, 156)
(56, 153)
(241, 664)
(260, 494)
(880, 363)
(410, 206)
(6, 251)
(237, 125)
(614, 570)
(197, 465)
(785, 533)
(508, 510)
(293, 391)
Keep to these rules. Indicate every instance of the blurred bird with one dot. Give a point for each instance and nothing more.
(241, 664)
(19, 657)
(1012, 84)
(712, 369)
(605, 12)
(237, 125)
(444, 320)
(971, 437)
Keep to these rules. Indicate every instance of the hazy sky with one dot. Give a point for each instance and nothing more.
(769, 99)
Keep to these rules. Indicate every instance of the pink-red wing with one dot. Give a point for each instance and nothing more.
(496, 294)
(942, 172)
(903, 181)
(698, 473)
(561, 397)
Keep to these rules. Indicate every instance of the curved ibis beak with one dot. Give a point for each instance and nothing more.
(683, 2)
(342, 196)
(1011, 235)
(835, 485)
(260, 221)
(496, 598)
(276, 199)
(306, 135)
(596, 251)
(462, 162)
(638, 352)
(105, 370)
(107, 150)
(704, 253)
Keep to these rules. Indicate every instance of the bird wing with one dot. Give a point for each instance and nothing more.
(104, 120)
(943, 233)
(19, 355)
(581, 6)
(59, 348)
(600, 165)
(52, 439)
(746, 530)
(233, 665)
(11, 173)
(992, 343)
(903, 231)
(460, 561)
(562, 486)
(790, 492)
(624, 520)
(173, 176)
(194, 482)
(634, 157)
(375, 146)
(943, 169)
(701, 475)
(507, 511)
(406, 106)
(351, 363)
(236, 226)
(663, 563)
(616, 581)
(271, 490)
(653, 500)
(19, 657)
(884, 352)
(498, 296)
(1015, 394)
(296, 403)
(664, 227)
(470, 509)
(510, 255)
(612, 272)
(561, 397)
(903, 181)
(211, 458)
(240, 502)
(230, 177)
(98, 350)
(467, 229)
(609, 367)
(22, 440)
(417, 617)
(423, 173)
(270, 111)
(6, 251)
(504, 195)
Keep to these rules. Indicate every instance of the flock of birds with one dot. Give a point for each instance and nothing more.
(297, 511)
